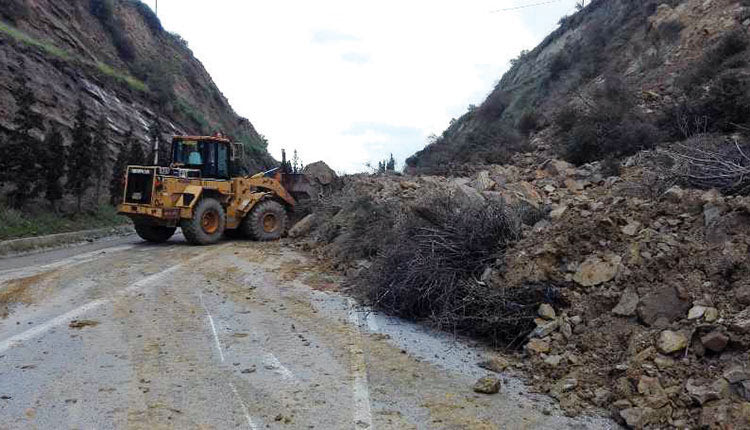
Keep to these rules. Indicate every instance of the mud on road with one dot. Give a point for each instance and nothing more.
(237, 335)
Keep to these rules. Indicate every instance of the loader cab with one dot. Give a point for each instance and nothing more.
(211, 156)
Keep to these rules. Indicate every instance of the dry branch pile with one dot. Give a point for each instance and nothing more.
(705, 163)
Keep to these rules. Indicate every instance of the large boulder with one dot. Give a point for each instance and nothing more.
(303, 227)
(320, 173)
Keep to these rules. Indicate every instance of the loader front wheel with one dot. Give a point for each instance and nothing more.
(154, 233)
(207, 225)
(266, 221)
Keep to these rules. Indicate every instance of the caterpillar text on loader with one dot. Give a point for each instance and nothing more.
(198, 193)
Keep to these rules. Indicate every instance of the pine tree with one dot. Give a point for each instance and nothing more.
(100, 152)
(296, 167)
(117, 182)
(81, 164)
(391, 164)
(53, 162)
(18, 165)
(136, 156)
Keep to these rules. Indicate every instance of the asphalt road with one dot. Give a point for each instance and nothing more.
(123, 334)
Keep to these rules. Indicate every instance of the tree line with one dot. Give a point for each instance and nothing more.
(37, 165)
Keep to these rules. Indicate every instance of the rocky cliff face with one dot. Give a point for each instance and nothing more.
(614, 64)
(115, 57)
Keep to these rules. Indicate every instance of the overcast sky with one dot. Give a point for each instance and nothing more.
(349, 81)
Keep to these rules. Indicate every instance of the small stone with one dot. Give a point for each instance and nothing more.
(602, 396)
(575, 320)
(742, 389)
(546, 311)
(558, 212)
(628, 303)
(567, 384)
(631, 229)
(655, 395)
(634, 417)
(670, 342)
(567, 330)
(596, 270)
(711, 214)
(545, 330)
(736, 374)
(487, 385)
(712, 196)
(622, 404)
(703, 393)
(549, 188)
(408, 185)
(663, 362)
(711, 315)
(575, 185)
(715, 341)
(495, 364)
(538, 346)
(696, 312)
(674, 194)
(553, 360)
(741, 322)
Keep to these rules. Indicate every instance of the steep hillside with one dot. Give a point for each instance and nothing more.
(115, 58)
(616, 77)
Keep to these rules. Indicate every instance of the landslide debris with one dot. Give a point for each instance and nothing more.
(633, 300)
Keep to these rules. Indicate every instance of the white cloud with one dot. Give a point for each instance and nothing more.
(307, 73)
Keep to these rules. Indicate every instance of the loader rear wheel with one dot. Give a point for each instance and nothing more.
(208, 223)
(154, 233)
(267, 221)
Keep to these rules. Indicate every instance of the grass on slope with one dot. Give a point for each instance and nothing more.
(54, 51)
(16, 224)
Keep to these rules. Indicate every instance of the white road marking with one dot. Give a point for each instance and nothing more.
(372, 325)
(213, 327)
(11, 274)
(55, 322)
(274, 363)
(249, 419)
(81, 310)
(361, 392)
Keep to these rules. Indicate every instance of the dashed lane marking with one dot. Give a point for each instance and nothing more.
(90, 306)
(361, 392)
(11, 274)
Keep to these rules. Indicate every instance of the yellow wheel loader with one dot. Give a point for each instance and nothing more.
(198, 193)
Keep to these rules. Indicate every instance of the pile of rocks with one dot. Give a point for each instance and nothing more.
(657, 278)
(658, 327)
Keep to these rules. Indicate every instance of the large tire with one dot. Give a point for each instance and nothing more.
(208, 223)
(266, 221)
(154, 233)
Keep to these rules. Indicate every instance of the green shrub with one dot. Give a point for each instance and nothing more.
(558, 64)
(727, 53)
(149, 17)
(39, 220)
(669, 31)
(566, 118)
(609, 126)
(723, 108)
(528, 123)
(495, 105)
(103, 10)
